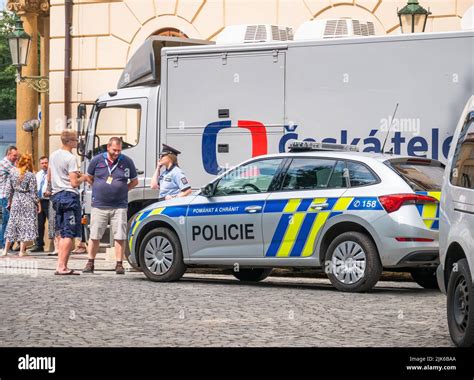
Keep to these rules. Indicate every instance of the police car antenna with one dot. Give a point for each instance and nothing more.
(389, 128)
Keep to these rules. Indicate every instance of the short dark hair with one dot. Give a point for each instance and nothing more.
(9, 149)
(43, 157)
(116, 140)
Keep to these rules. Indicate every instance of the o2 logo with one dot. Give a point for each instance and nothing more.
(429, 145)
(257, 131)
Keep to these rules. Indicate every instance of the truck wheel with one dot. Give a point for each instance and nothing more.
(127, 248)
(460, 305)
(252, 274)
(425, 277)
(354, 262)
(161, 256)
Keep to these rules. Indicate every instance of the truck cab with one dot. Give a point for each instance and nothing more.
(127, 114)
(132, 112)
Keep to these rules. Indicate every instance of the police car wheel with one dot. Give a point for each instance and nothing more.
(460, 305)
(354, 263)
(161, 257)
(252, 274)
(425, 277)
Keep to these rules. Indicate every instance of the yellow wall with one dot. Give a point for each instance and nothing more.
(106, 33)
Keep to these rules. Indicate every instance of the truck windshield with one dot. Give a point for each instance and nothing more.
(421, 175)
(120, 121)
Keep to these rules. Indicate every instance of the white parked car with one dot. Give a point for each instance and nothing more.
(456, 269)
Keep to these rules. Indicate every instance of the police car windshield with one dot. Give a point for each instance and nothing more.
(421, 175)
(251, 178)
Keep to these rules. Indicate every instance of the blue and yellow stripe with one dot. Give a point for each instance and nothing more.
(297, 229)
(300, 224)
(137, 221)
(429, 212)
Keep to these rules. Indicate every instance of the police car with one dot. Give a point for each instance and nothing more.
(319, 205)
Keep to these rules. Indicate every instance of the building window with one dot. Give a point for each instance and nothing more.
(170, 32)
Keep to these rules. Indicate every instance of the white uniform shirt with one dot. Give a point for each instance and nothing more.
(42, 183)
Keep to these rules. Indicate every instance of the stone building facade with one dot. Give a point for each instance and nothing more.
(106, 33)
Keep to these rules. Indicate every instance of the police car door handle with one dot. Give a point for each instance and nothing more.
(319, 206)
(253, 209)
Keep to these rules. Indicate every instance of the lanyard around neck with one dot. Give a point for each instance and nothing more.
(108, 166)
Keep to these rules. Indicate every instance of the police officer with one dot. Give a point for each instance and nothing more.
(172, 182)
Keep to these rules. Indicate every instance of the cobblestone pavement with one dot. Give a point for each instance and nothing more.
(105, 309)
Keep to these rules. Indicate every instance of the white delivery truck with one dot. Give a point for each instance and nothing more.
(222, 104)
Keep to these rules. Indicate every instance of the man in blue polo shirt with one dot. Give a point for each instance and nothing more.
(112, 176)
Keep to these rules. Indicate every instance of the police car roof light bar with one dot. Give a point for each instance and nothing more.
(307, 146)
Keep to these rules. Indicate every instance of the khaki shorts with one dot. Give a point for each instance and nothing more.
(100, 218)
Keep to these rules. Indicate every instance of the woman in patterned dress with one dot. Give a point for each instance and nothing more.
(24, 205)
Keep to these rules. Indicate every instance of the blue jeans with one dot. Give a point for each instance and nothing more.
(5, 217)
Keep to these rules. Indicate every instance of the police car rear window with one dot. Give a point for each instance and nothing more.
(360, 175)
(421, 175)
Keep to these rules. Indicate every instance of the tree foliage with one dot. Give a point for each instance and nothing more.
(7, 71)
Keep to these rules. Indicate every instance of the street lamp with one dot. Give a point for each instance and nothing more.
(30, 126)
(413, 17)
(20, 42)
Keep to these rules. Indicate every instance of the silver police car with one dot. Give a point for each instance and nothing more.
(320, 205)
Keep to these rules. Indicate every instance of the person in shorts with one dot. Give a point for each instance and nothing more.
(112, 175)
(65, 179)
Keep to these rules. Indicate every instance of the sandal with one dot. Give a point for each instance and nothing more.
(70, 273)
(79, 251)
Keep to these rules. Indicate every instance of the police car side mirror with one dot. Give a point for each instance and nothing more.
(208, 190)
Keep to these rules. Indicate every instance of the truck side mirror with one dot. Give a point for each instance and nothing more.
(208, 190)
(81, 111)
(81, 116)
(81, 148)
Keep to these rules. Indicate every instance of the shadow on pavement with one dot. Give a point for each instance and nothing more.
(268, 283)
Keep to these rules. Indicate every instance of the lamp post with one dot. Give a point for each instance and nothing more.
(32, 13)
(30, 126)
(20, 43)
(413, 17)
